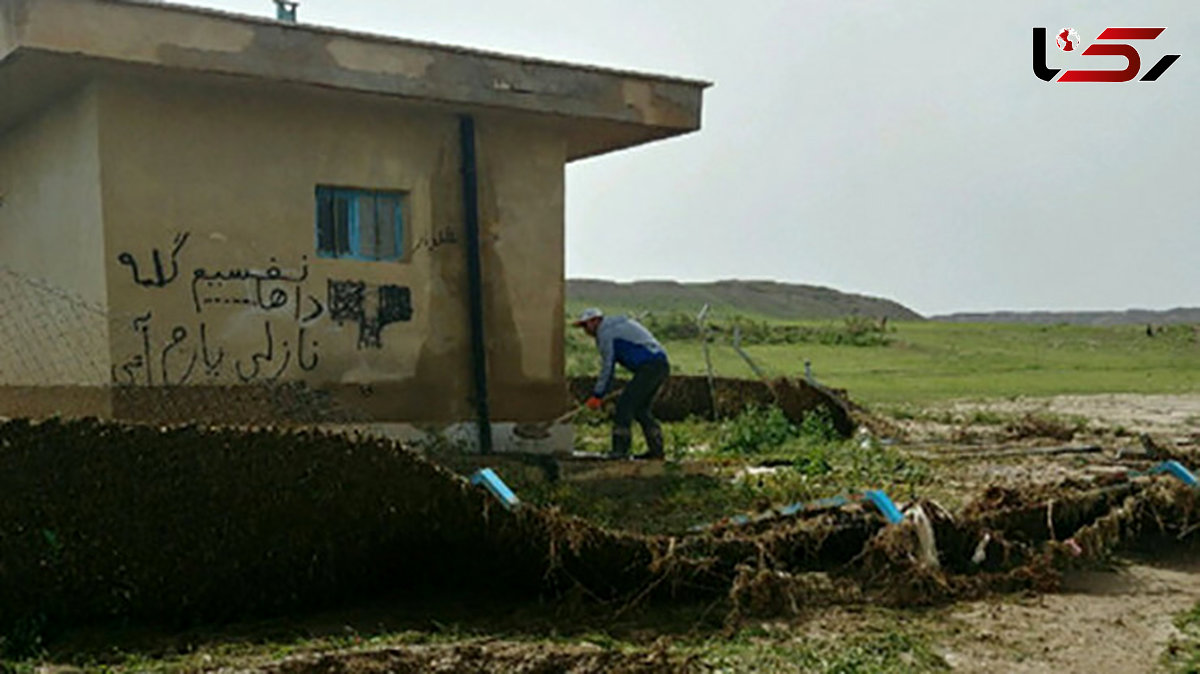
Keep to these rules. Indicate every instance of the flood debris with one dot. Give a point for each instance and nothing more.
(378, 519)
(1006, 541)
(484, 657)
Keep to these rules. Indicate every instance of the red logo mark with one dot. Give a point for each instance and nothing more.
(1068, 40)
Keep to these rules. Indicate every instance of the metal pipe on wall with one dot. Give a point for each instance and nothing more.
(470, 183)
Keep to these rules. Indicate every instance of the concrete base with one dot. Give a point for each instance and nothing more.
(465, 436)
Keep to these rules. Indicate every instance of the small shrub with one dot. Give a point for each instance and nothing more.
(818, 427)
(674, 326)
(814, 460)
(757, 430)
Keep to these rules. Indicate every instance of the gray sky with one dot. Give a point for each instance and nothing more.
(894, 148)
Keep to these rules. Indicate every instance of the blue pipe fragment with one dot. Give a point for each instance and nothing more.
(885, 505)
(821, 504)
(1176, 469)
(492, 482)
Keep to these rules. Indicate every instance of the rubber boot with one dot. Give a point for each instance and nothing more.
(622, 438)
(654, 443)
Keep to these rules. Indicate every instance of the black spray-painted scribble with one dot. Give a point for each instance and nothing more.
(373, 311)
(160, 279)
(347, 300)
(395, 304)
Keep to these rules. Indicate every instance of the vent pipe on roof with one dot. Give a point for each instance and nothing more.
(286, 11)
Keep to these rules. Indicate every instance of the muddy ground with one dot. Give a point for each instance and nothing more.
(1039, 472)
(1117, 616)
(1116, 619)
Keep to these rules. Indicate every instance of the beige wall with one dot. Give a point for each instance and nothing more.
(521, 209)
(233, 169)
(51, 260)
(50, 226)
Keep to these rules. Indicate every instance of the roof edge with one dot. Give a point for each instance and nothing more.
(322, 29)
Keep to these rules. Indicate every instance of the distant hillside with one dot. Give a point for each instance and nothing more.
(766, 299)
(1128, 317)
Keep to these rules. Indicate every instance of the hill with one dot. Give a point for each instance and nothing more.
(766, 299)
(1128, 317)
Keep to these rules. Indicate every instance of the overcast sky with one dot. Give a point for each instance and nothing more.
(894, 148)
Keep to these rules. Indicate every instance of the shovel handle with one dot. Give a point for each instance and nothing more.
(567, 416)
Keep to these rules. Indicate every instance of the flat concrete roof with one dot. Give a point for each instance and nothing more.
(48, 47)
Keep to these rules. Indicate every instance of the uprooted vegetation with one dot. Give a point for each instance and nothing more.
(683, 397)
(188, 524)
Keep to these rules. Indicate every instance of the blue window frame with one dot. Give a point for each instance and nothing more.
(360, 224)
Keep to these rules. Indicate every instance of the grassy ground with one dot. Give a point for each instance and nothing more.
(706, 478)
(868, 641)
(928, 362)
(1183, 654)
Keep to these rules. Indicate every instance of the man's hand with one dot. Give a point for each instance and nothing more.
(595, 403)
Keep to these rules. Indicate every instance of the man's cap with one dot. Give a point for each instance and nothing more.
(588, 314)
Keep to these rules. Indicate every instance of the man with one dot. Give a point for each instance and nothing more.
(625, 341)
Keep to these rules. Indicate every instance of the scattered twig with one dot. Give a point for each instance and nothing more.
(1000, 453)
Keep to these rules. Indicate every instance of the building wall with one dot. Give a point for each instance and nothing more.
(50, 226)
(217, 180)
(54, 356)
(521, 209)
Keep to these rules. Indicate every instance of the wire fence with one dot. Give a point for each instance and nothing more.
(55, 361)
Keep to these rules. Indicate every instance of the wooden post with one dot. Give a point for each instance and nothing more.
(701, 319)
(737, 346)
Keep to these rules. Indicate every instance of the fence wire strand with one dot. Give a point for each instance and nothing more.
(55, 362)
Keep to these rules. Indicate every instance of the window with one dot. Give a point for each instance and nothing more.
(360, 224)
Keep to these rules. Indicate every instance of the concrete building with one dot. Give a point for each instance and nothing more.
(249, 203)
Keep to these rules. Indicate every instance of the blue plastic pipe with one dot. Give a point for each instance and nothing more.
(1178, 470)
(885, 505)
(492, 482)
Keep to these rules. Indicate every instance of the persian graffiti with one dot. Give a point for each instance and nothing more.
(373, 308)
(269, 289)
(174, 353)
(179, 335)
(445, 236)
(160, 279)
(212, 366)
(179, 356)
(267, 356)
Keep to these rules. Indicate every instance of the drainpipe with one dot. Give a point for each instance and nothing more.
(470, 182)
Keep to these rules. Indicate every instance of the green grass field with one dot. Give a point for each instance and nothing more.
(929, 362)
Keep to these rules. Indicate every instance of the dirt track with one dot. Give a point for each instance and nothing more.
(1102, 621)
(1166, 414)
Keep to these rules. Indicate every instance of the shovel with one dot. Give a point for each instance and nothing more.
(541, 429)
